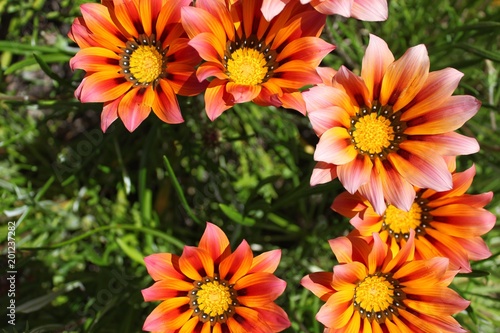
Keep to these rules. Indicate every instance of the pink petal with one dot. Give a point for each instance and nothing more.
(452, 144)
(323, 173)
(374, 192)
(135, 106)
(319, 283)
(266, 262)
(271, 8)
(165, 105)
(259, 289)
(370, 10)
(354, 86)
(163, 265)
(215, 242)
(355, 173)
(109, 113)
(217, 100)
(397, 190)
(242, 93)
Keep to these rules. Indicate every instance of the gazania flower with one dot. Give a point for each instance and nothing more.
(447, 224)
(251, 59)
(388, 130)
(373, 291)
(365, 10)
(136, 57)
(209, 289)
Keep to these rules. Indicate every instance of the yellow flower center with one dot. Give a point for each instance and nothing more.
(374, 294)
(247, 66)
(213, 300)
(373, 134)
(143, 62)
(146, 64)
(399, 222)
(378, 297)
(377, 130)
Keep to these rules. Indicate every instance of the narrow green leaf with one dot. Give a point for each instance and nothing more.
(130, 251)
(234, 215)
(46, 69)
(492, 55)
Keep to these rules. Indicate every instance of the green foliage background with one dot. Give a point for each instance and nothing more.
(89, 206)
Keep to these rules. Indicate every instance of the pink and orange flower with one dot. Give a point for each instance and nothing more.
(387, 131)
(251, 59)
(211, 289)
(447, 224)
(372, 290)
(136, 57)
(365, 10)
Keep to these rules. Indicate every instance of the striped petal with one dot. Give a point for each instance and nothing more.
(237, 264)
(259, 289)
(135, 107)
(162, 266)
(102, 87)
(323, 173)
(196, 263)
(405, 77)
(169, 315)
(319, 283)
(165, 289)
(375, 62)
(215, 242)
(165, 105)
(355, 173)
(95, 59)
(266, 262)
(217, 100)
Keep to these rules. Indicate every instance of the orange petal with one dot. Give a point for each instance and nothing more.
(169, 315)
(184, 81)
(237, 264)
(377, 255)
(293, 100)
(319, 283)
(215, 242)
(438, 87)
(247, 320)
(420, 273)
(208, 47)
(295, 74)
(274, 316)
(421, 167)
(346, 276)
(349, 205)
(220, 10)
(375, 62)
(266, 262)
(217, 100)
(335, 147)
(196, 263)
(196, 21)
(135, 106)
(405, 254)
(127, 15)
(452, 144)
(308, 49)
(168, 26)
(208, 69)
(338, 310)
(448, 117)
(103, 87)
(165, 104)
(242, 93)
(353, 86)
(109, 113)
(397, 190)
(355, 173)
(462, 220)
(163, 265)
(259, 289)
(405, 77)
(95, 59)
(105, 33)
(166, 289)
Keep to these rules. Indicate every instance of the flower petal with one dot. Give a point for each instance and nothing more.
(266, 262)
(335, 147)
(196, 263)
(319, 283)
(163, 265)
(169, 315)
(355, 173)
(323, 173)
(135, 106)
(405, 77)
(377, 58)
(165, 289)
(165, 104)
(215, 242)
(103, 87)
(258, 289)
(217, 100)
(370, 10)
(237, 264)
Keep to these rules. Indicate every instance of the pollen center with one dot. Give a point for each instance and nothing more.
(213, 300)
(146, 64)
(373, 134)
(378, 296)
(247, 66)
(374, 294)
(143, 62)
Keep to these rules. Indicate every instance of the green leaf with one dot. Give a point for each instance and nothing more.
(130, 251)
(492, 55)
(236, 216)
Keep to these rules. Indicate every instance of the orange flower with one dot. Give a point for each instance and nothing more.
(209, 289)
(366, 10)
(251, 59)
(373, 291)
(388, 130)
(136, 57)
(447, 224)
